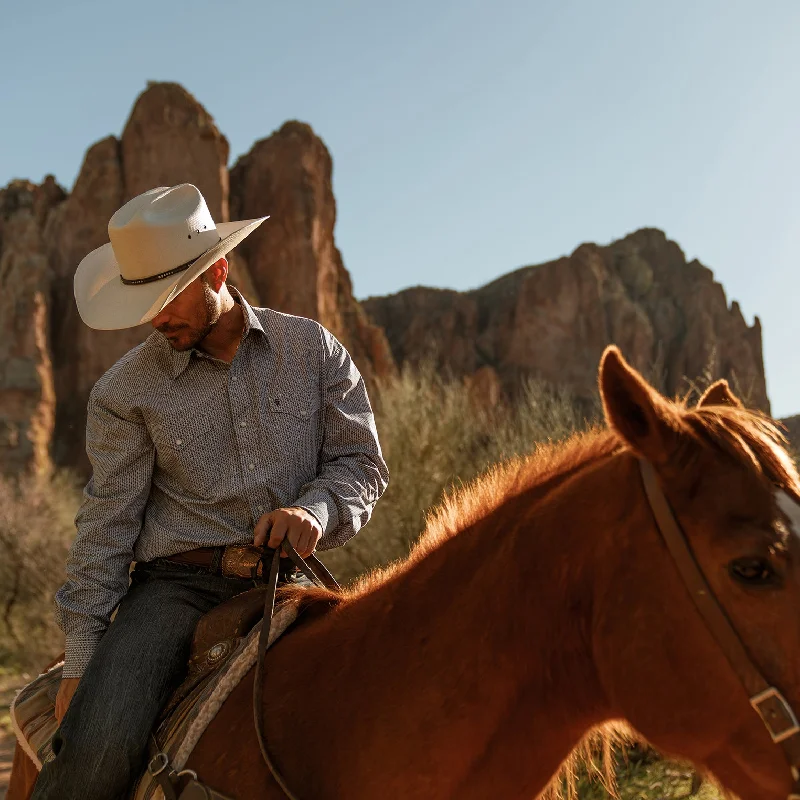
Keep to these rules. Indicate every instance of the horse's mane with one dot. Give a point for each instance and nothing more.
(747, 436)
(463, 506)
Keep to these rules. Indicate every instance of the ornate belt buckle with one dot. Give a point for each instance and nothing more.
(239, 562)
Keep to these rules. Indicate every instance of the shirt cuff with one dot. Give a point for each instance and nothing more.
(319, 503)
(79, 649)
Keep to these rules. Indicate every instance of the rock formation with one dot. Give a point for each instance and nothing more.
(294, 261)
(669, 317)
(50, 360)
(27, 396)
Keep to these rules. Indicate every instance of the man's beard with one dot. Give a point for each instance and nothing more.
(212, 313)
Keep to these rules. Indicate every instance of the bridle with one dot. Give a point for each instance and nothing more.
(776, 713)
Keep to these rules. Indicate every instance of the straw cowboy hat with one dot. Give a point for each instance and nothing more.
(160, 242)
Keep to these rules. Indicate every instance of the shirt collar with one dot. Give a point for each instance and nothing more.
(251, 321)
(181, 358)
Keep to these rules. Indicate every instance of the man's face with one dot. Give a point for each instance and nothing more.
(188, 318)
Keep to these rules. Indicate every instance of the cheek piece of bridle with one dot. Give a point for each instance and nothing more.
(771, 705)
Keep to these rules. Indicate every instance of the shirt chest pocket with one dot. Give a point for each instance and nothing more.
(293, 424)
(184, 455)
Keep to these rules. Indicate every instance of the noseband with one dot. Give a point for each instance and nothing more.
(776, 713)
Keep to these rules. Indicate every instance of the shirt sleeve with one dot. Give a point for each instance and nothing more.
(108, 523)
(352, 474)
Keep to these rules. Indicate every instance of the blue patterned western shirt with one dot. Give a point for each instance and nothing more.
(189, 451)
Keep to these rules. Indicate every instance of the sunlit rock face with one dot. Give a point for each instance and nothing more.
(169, 138)
(669, 316)
(27, 396)
(293, 258)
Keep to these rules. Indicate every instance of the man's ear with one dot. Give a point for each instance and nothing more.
(650, 424)
(719, 394)
(217, 273)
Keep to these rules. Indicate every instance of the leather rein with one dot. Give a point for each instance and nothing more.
(159, 766)
(316, 572)
(776, 713)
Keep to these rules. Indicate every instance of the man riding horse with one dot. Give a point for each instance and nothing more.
(227, 427)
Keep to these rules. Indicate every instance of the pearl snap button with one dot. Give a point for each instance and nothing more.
(243, 423)
(251, 466)
(179, 442)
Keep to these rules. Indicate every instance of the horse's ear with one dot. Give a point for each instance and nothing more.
(719, 394)
(649, 423)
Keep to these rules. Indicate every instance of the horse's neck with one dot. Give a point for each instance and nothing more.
(469, 674)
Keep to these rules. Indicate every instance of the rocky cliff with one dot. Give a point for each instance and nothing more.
(27, 394)
(293, 258)
(669, 316)
(49, 360)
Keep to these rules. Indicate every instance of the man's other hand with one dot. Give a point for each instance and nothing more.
(298, 525)
(65, 691)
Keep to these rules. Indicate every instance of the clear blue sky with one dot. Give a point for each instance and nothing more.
(469, 138)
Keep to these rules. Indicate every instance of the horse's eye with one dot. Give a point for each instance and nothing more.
(753, 571)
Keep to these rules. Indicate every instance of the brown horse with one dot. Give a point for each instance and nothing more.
(541, 603)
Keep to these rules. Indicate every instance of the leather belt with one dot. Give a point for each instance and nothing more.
(231, 562)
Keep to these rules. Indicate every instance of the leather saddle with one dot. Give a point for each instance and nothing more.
(216, 637)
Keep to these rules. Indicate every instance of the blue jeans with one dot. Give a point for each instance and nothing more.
(101, 745)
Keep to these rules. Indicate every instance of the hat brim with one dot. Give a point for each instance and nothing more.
(105, 303)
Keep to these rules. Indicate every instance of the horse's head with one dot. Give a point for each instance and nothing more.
(734, 492)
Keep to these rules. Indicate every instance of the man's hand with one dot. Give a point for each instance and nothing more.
(65, 691)
(301, 528)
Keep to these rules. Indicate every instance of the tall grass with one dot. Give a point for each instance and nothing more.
(36, 529)
(436, 432)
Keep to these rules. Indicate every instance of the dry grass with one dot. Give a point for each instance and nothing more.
(36, 528)
(643, 775)
(436, 434)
